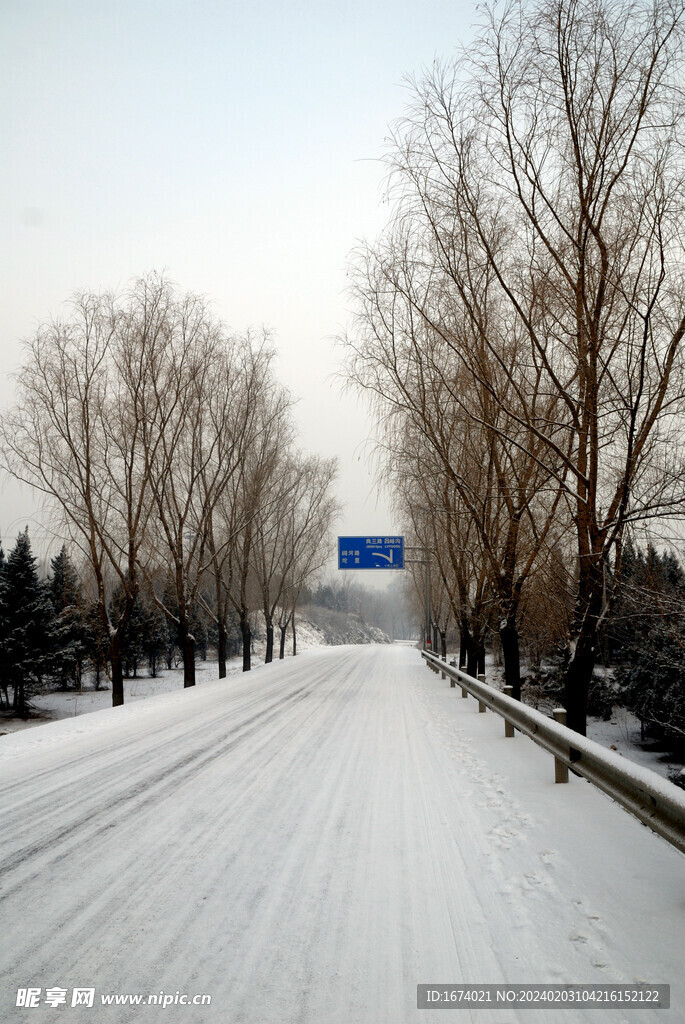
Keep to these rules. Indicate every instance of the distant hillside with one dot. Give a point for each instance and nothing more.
(338, 627)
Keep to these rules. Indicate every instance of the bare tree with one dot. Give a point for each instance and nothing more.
(200, 394)
(303, 537)
(250, 497)
(546, 163)
(297, 520)
(228, 516)
(76, 435)
(444, 402)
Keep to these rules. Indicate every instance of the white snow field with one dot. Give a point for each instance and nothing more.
(308, 842)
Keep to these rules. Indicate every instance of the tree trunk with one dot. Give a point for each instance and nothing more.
(443, 644)
(578, 674)
(294, 635)
(221, 648)
(475, 657)
(189, 662)
(472, 660)
(188, 653)
(509, 638)
(463, 645)
(577, 684)
(246, 634)
(283, 629)
(117, 673)
(269, 656)
(19, 698)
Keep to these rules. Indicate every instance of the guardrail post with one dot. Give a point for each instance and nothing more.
(638, 790)
(508, 727)
(560, 769)
(453, 664)
(481, 705)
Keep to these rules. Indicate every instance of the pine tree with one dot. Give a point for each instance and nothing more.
(133, 639)
(28, 616)
(70, 629)
(156, 636)
(172, 643)
(650, 630)
(97, 641)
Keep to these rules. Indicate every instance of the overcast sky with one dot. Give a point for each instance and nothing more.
(234, 146)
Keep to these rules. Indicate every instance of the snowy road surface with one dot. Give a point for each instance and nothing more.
(307, 844)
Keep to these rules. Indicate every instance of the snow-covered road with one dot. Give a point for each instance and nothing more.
(309, 842)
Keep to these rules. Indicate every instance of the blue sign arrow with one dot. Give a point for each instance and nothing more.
(371, 552)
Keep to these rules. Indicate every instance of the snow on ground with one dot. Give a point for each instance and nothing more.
(309, 842)
(55, 705)
(620, 733)
(58, 704)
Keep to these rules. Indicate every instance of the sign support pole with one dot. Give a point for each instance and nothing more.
(425, 562)
(428, 596)
(388, 553)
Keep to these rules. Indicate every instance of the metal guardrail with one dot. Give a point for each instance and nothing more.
(655, 801)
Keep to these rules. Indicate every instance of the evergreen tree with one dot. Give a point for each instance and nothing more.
(28, 617)
(70, 628)
(156, 636)
(172, 644)
(97, 641)
(197, 626)
(133, 645)
(648, 637)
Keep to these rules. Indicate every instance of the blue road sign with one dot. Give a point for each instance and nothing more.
(371, 552)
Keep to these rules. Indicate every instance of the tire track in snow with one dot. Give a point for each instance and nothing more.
(141, 794)
(126, 760)
(110, 900)
(351, 846)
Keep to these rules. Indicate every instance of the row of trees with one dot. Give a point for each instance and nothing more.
(165, 449)
(51, 634)
(645, 638)
(520, 322)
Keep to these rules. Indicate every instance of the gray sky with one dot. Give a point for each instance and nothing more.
(232, 145)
